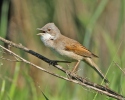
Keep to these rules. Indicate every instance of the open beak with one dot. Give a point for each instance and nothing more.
(41, 32)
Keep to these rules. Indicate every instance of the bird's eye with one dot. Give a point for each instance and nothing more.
(49, 29)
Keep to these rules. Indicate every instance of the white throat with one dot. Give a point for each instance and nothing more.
(46, 37)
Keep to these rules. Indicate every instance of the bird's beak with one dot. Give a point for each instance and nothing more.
(39, 29)
(40, 34)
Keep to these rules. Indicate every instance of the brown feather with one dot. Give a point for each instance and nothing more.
(73, 46)
(80, 50)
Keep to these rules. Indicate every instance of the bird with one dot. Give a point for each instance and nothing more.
(67, 48)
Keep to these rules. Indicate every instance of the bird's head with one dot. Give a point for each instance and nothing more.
(49, 32)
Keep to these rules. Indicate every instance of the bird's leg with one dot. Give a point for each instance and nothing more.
(76, 66)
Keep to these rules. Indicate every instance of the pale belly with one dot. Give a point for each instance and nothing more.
(66, 55)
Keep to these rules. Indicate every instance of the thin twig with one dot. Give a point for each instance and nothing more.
(9, 59)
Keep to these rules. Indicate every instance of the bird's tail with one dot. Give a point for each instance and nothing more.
(96, 68)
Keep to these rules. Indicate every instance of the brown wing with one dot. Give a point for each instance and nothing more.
(80, 50)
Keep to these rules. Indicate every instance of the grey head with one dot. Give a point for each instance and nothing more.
(49, 28)
(48, 34)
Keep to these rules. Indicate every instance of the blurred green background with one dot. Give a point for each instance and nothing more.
(97, 24)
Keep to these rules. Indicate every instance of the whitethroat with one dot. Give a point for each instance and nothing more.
(67, 48)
